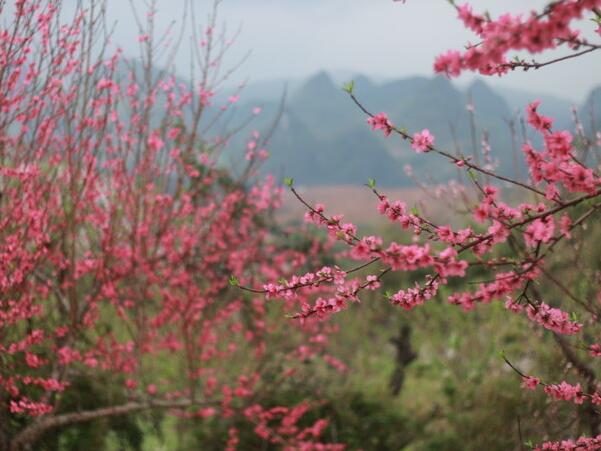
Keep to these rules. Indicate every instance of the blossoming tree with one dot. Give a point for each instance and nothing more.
(118, 232)
(561, 203)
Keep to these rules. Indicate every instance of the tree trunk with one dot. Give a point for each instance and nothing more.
(404, 356)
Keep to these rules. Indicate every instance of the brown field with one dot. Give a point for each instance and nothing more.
(358, 204)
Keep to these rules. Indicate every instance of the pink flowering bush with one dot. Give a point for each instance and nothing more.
(118, 233)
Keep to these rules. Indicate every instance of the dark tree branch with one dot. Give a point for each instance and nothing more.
(26, 438)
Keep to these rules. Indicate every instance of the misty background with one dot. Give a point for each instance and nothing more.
(291, 39)
(309, 48)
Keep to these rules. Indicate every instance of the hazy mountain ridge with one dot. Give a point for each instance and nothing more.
(323, 138)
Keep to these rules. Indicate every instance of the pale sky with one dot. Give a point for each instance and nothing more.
(382, 38)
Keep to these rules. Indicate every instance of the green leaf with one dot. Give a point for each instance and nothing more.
(288, 181)
(502, 354)
(234, 282)
(414, 211)
(349, 87)
(371, 183)
(574, 317)
(454, 341)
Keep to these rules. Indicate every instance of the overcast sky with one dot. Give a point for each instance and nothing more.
(382, 38)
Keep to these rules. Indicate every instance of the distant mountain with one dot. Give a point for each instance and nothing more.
(270, 90)
(591, 110)
(324, 107)
(323, 138)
